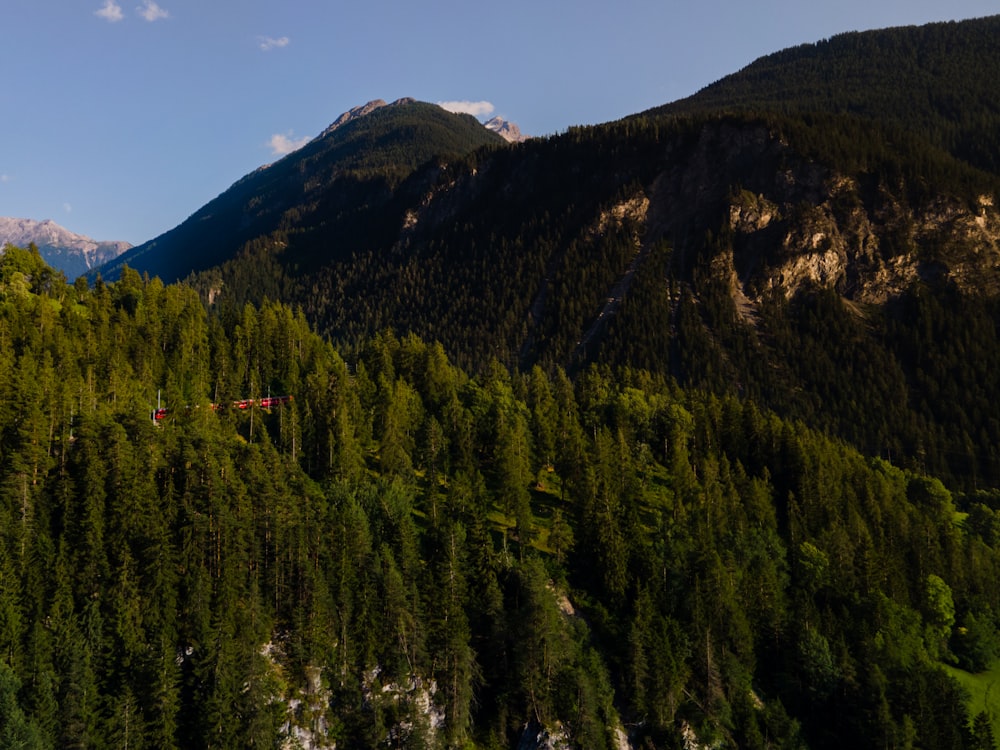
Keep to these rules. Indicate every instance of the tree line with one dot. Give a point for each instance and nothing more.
(406, 554)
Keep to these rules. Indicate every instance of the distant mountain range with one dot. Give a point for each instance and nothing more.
(73, 254)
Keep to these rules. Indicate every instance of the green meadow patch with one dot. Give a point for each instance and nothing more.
(984, 692)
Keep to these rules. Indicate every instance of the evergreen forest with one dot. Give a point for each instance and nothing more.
(673, 432)
(407, 555)
(934, 81)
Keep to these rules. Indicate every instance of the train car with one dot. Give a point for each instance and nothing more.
(268, 402)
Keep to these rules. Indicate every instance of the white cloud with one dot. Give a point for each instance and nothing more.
(476, 109)
(68, 208)
(268, 43)
(5, 178)
(111, 11)
(282, 144)
(151, 11)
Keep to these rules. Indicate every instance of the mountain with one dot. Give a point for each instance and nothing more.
(73, 254)
(506, 130)
(361, 111)
(935, 81)
(835, 265)
(346, 174)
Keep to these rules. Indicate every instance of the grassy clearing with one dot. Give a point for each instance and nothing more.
(984, 692)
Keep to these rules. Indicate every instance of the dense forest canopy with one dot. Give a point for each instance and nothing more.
(935, 81)
(405, 555)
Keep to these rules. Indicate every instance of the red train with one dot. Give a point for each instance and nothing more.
(264, 403)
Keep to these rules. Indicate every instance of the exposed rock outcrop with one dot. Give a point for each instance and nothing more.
(361, 111)
(791, 224)
(506, 130)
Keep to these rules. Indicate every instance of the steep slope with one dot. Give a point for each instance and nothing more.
(73, 254)
(692, 247)
(841, 269)
(352, 167)
(937, 81)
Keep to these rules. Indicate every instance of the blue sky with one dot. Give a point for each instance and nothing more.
(123, 117)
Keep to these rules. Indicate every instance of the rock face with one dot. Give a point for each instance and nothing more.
(791, 225)
(73, 254)
(782, 222)
(506, 130)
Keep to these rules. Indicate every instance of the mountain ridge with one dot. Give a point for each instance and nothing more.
(361, 157)
(64, 250)
(934, 80)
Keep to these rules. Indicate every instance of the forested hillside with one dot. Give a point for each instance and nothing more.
(405, 555)
(935, 81)
(345, 176)
(730, 253)
(819, 232)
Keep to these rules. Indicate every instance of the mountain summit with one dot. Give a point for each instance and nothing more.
(73, 254)
(338, 178)
(363, 110)
(506, 130)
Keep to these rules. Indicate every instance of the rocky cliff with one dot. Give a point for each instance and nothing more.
(360, 111)
(780, 221)
(792, 224)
